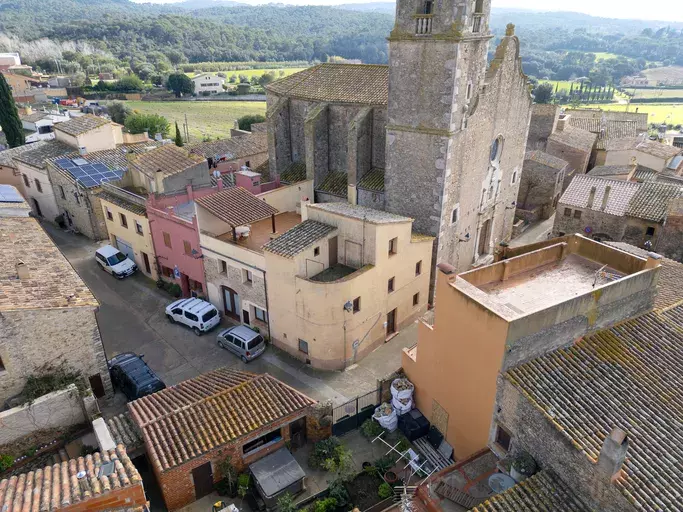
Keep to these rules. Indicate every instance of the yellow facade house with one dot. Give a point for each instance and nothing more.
(344, 281)
(125, 215)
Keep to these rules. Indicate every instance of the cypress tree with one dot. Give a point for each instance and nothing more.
(178, 137)
(9, 117)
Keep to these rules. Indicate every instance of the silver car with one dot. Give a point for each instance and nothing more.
(241, 340)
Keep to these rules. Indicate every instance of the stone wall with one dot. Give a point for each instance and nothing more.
(540, 186)
(543, 124)
(61, 408)
(602, 225)
(577, 159)
(33, 340)
(319, 422)
(371, 199)
(197, 176)
(670, 241)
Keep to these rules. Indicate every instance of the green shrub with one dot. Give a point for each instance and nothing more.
(385, 490)
(322, 450)
(6, 462)
(175, 290)
(326, 505)
(243, 484)
(228, 484)
(371, 429)
(337, 491)
(403, 445)
(385, 463)
(285, 503)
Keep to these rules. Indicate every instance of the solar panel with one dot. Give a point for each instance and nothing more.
(9, 194)
(88, 182)
(101, 167)
(88, 168)
(80, 161)
(77, 173)
(64, 163)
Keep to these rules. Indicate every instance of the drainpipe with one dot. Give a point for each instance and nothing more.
(265, 286)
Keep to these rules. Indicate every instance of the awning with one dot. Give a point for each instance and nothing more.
(276, 472)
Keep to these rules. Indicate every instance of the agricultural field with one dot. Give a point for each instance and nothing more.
(204, 118)
(257, 72)
(664, 94)
(673, 73)
(669, 113)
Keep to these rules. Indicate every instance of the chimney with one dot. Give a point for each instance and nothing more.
(190, 192)
(82, 150)
(591, 198)
(22, 270)
(562, 122)
(612, 455)
(605, 197)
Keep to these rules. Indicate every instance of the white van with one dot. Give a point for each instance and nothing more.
(115, 262)
(197, 314)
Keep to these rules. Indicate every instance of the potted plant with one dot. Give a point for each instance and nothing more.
(390, 477)
(523, 466)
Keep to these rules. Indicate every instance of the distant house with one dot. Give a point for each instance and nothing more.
(230, 155)
(208, 82)
(41, 124)
(649, 153)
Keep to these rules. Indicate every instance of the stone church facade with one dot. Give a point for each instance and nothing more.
(436, 136)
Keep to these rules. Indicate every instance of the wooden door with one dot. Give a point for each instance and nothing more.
(231, 302)
(96, 385)
(203, 480)
(297, 432)
(245, 317)
(391, 322)
(145, 260)
(333, 251)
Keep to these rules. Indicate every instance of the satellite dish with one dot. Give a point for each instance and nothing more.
(80, 475)
(348, 306)
(500, 482)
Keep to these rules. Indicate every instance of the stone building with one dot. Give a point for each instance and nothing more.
(616, 210)
(233, 414)
(670, 241)
(167, 169)
(9, 171)
(573, 145)
(47, 313)
(651, 154)
(230, 155)
(544, 119)
(345, 281)
(541, 185)
(436, 136)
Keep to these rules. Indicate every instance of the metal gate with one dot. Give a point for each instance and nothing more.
(353, 413)
(125, 248)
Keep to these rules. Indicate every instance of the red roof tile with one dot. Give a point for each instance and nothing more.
(236, 206)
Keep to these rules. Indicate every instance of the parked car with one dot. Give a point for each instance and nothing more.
(130, 374)
(197, 314)
(241, 340)
(115, 262)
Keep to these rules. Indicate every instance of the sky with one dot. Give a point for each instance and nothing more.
(631, 9)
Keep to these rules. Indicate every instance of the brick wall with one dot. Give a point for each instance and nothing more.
(35, 339)
(177, 485)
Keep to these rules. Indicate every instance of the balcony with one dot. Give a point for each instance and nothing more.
(477, 23)
(423, 24)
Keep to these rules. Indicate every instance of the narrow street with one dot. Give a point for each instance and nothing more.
(535, 233)
(131, 318)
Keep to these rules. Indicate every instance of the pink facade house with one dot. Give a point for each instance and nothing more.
(175, 235)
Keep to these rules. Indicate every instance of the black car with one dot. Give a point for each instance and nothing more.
(133, 377)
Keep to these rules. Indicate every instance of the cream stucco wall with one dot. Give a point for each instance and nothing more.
(644, 159)
(314, 311)
(140, 243)
(288, 198)
(45, 199)
(98, 139)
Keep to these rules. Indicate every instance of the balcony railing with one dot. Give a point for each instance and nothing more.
(477, 23)
(423, 24)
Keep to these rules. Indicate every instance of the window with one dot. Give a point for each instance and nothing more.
(269, 438)
(418, 268)
(356, 305)
(247, 163)
(124, 221)
(39, 187)
(503, 438)
(26, 182)
(110, 216)
(61, 192)
(303, 346)
(496, 150)
(416, 299)
(577, 214)
(191, 316)
(2, 365)
(138, 228)
(390, 285)
(167, 240)
(479, 7)
(393, 246)
(455, 214)
(260, 314)
(209, 315)
(187, 247)
(427, 7)
(650, 231)
(469, 91)
(78, 197)
(224, 267)
(316, 251)
(514, 178)
(168, 272)
(247, 276)
(567, 212)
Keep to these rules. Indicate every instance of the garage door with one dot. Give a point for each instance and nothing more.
(125, 248)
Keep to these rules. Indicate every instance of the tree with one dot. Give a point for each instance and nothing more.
(180, 83)
(178, 137)
(150, 123)
(245, 122)
(119, 112)
(543, 93)
(130, 82)
(9, 117)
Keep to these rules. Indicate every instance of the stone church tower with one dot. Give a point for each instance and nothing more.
(456, 130)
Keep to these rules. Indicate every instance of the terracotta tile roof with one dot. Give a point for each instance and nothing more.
(236, 206)
(366, 84)
(640, 118)
(57, 487)
(610, 170)
(134, 208)
(606, 129)
(264, 171)
(544, 491)
(38, 157)
(544, 158)
(200, 414)
(621, 193)
(652, 199)
(34, 117)
(7, 155)
(82, 124)
(234, 148)
(52, 281)
(575, 138)
(372, 180)
(650, 147)
(670, 285)
(355, 211)
(631, 377)
(115, 159)
(299, 238)
(125, 432)
(335, 183)
(294, 173)
(170, 159)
